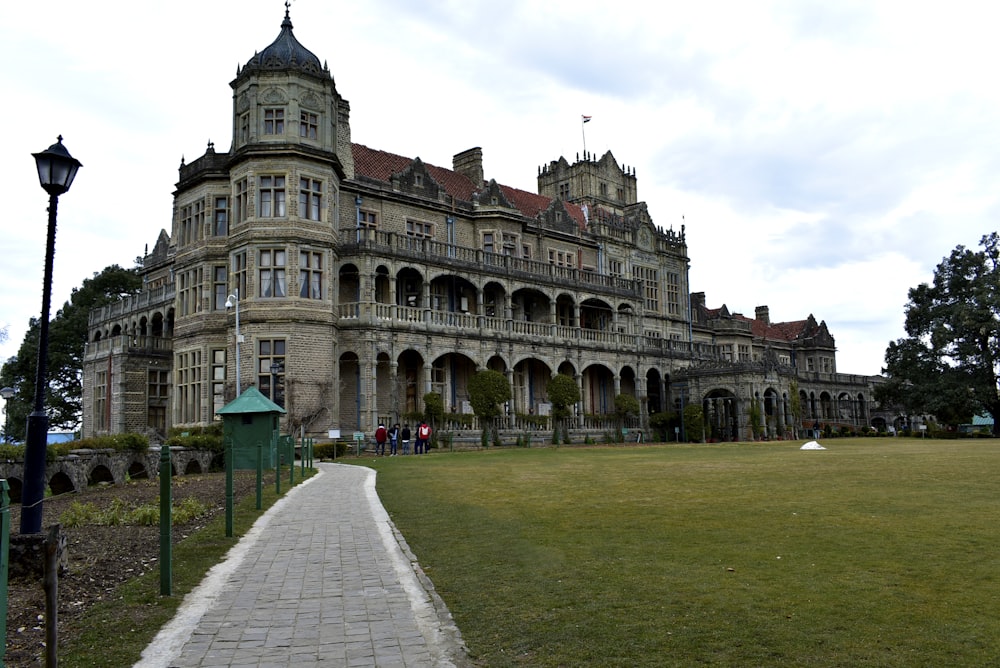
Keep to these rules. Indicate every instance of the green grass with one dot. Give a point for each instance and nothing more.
(113, 634)
(875, 552)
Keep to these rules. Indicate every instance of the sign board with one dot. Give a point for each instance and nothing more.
(359, 436)
(333, 433)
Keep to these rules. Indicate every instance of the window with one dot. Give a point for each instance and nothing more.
(159, 384)
(157, 398)
(415, 228)
(241, 200)
(244, 128)
(744, 352)
(308, 125)
(272, 273)
(563, 191)
(604, 190)
(240, 274)
(311, 274)
(274, 121)
(509, 244)
(192, 222)
(488, 243)
(418, 180)
(561, 258)
(271, 351)
(100, 401)
(272, 196)
(189, 387)
(526, 251)
(218, 380)
(220, 287)
(220, 227)
(616, 268)
(649, 278)
(673, 293)
(621, 194)
(189, 291)
(310, 198)
(367, 220)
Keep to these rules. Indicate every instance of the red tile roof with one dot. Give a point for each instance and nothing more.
(381, 165)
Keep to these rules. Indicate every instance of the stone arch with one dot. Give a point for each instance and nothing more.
(349, 284)
(450, 375)
(137, 470)
(15, 485)
(410, 380)
(626, 381)
(529, 385)
(494, 299)
(654, 392)
(100, 473)
(598, 390)
(565, 310)
(382, 285)
(61, 483)
(722, 419)
(193, 467)
(409, 287)
(529, 304)
(596, 314)
(350, 391)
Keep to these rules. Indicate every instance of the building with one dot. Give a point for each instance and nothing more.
(347, 282)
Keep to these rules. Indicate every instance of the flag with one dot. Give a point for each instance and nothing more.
(586, 119)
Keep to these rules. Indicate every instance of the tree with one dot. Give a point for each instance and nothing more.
(67, 337)
(488, 391)
(563, 392)
(694, 423)
(949, 363)
(625, 406)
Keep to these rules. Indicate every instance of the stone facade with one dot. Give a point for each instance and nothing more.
(368, 279)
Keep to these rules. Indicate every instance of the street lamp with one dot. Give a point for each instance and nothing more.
(276, 368)
(231, 301)
(56, 171)
(7, 393)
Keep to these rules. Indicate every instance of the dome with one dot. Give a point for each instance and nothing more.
(286, 53)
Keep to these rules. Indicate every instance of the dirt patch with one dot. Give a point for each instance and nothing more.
(101, 558)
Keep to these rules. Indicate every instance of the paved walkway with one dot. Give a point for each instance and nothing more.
(322, 579)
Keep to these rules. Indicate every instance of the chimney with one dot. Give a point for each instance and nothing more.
(763, 314)
(470, 165)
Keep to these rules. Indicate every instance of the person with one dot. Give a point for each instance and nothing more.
(816, 429)
(405, 437)
(393, 439)
(380, 435)
(423, 436)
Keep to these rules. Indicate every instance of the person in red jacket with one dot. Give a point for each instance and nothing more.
(423, 436)
(380, 436)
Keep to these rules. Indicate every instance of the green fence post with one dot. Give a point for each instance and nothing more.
(166, 523)
(4, 556)
(260, 474)
(302, 456)
(277, 463)
(229, 486)
(290, 444)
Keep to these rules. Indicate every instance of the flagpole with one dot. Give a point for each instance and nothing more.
(583, 131)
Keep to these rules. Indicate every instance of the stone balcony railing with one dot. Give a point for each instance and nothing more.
(366, 314)
(474, 260)
(136, 345)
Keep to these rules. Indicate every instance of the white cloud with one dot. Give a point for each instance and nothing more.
(824, 156)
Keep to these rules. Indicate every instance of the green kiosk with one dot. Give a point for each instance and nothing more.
(251, 421)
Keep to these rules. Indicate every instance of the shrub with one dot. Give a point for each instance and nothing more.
(330, 450)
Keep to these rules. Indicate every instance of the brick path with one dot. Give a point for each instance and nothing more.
(322, 579)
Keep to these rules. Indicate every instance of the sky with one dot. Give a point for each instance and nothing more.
(823, 157)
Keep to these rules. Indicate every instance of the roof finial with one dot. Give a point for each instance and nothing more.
(288, 5)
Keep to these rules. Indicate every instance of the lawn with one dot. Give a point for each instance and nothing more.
(874, 552)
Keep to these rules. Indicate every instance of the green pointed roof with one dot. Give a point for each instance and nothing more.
(251, 401)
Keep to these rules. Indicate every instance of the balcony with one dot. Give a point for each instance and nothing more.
(363, 315)
(474, 261)
(152, 346)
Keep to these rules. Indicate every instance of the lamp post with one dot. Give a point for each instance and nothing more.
(56, 171)
(7, 393)
(231, 301)
(276, 368)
